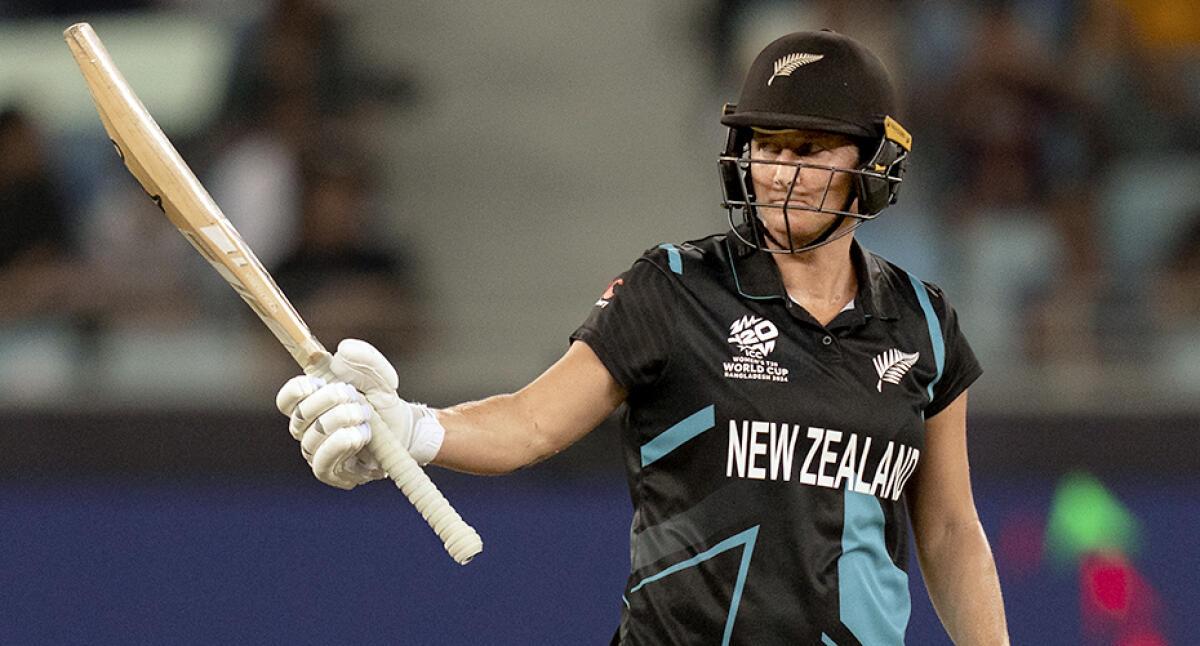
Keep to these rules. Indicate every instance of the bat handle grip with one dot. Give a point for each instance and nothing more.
(461, 540)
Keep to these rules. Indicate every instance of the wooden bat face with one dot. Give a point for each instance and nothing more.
(162, 173)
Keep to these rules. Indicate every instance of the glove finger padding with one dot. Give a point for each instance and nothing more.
(335, 463)
(296, 390)
(340, 416)
(324, 399)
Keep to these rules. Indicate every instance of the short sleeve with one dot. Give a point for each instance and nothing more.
(961, 368)
(629, 327)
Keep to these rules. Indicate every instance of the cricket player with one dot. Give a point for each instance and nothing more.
(793, 403)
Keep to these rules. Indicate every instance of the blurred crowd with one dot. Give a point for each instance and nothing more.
(286, 156)
(1058, 147)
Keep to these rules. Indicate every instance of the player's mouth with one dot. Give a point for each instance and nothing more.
(792, 204)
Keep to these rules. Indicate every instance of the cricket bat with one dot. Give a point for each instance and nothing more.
(157, 166)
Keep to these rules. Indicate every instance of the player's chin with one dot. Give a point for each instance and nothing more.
(800, 225)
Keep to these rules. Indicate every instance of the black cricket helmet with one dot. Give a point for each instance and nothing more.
(816, 80)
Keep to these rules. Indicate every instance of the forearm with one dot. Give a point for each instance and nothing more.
(506, 432)
(492, 436)
(960, 575)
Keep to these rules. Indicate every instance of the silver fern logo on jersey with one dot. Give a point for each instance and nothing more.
(755, 338)
(792, 62)
(893, 365)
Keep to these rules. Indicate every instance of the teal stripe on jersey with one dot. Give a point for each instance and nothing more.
(745, 539)
(673, 257)
(673, 437)
(872, 591)
(935, 330)
(827, 640)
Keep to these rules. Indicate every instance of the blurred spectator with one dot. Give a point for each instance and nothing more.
(295, 51)
(256, 177)
(138, 268)
(287, 78)
(1177, 310)
(342, 277)
(1139, 86)
(1135, 70)
(1004, 100)
(1024, 157)
(35, 245)
(1178, 288)
(292, 84)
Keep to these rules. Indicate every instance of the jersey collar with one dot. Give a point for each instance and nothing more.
(756, 277)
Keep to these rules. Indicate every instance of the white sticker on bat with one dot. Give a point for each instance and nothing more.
(217, 234)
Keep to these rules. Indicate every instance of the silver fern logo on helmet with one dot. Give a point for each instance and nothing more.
(893, 365)
(792, 62)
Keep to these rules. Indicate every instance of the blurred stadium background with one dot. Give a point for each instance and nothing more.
(457, 181)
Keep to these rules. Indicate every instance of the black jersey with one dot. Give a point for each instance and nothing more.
(767, 454)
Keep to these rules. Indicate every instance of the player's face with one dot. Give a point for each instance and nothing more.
(796, 189)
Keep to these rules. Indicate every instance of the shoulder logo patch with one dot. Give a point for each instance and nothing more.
(609, 293)
(792, 62)
(891, 366)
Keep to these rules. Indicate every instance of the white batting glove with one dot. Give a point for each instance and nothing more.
(333, 421)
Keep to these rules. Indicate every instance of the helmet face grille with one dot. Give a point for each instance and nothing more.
(874, 185)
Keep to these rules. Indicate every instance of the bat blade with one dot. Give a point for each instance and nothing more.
(166, 178)
(162, 173)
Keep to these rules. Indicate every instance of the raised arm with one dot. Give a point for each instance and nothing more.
(630, 327)
(956, 561)
(506, 432)
(496, 435)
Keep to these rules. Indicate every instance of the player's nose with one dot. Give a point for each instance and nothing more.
(785, 170)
